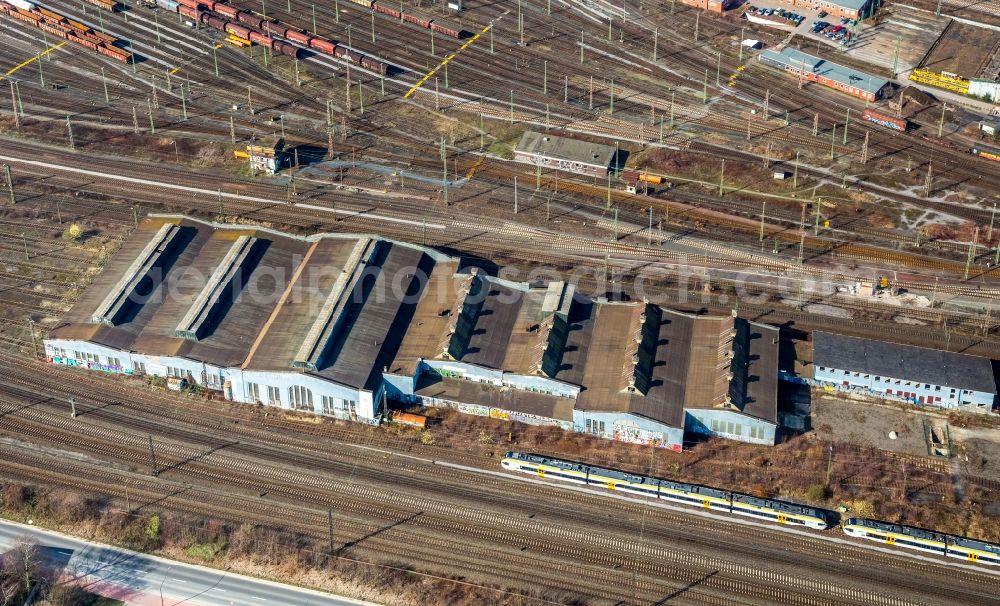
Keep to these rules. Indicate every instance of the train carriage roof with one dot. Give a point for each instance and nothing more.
(917, 533)
(976, 544)
(777, 505)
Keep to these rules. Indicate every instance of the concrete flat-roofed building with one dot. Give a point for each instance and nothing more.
(827, 73)
(562, 153)
(337, 325)
(907, 373)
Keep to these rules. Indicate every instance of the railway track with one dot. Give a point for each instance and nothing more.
(608, 546)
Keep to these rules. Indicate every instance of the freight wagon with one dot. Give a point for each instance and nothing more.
(884, 120)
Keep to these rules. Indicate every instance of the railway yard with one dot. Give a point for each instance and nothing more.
(733, 189)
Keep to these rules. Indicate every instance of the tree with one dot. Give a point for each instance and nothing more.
(24, 556)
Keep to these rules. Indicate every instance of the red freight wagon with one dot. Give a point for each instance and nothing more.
(226, 9)
(217, 23)
(261, 39)
(82, 41)
(385, 9)
(250, 19)
(115, 53)
(354, 56)
(296, 36)
(324, 45)
(189, 12)
(238, 30)
(374, 65)
(275, 28)
(189, 3)
(417, 19)
(286, 49)
(446, 29)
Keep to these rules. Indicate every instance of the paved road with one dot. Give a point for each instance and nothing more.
(142, 580)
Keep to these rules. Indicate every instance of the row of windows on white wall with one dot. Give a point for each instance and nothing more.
(887, 380)
(300, 398)
(736, 429)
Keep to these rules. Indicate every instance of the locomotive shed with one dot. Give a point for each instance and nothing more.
(340, 325)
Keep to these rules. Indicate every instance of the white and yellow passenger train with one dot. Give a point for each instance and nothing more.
(779, 512)
(771, 510)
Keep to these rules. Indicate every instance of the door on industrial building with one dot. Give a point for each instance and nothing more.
(921, 399)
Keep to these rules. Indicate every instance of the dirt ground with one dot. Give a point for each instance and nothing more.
(867, 424)
(962, 49)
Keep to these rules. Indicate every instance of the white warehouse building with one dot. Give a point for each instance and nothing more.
(918, 375)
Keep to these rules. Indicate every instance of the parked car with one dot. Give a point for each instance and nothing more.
(822, 14)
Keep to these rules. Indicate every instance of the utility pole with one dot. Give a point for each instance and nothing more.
(149, 107)
(69, 129)
(330, 521)
(795, 172)
(816, 125)
(152, 459)
(864, 149)
(833, 140)
(232, 130)
(928, 181)
(135, 120)
(944, 106)
(24, 240)
(10, 183)
(817, 203)
(656, 35)
(722, 178)
(802, 232)
(13, 101)
(444, 168)
(763, 208)
(104, 80)
(993, 214)
(72, 408)
(515, 195)
(697, 23)
(972, 252)
(829, 464)
(767, 105)
(847, 121)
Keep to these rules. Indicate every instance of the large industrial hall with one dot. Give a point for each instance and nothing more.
(341, 325)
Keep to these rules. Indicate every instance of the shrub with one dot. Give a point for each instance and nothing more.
(72, 233)
(817, 492)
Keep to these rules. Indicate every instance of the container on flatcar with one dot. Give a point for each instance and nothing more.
(22, 4)
(168, 5)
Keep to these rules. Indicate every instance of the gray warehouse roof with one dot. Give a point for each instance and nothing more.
(561, 148)
(798, 60)
(897, 361)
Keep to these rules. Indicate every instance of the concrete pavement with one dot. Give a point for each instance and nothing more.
(144, 580)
